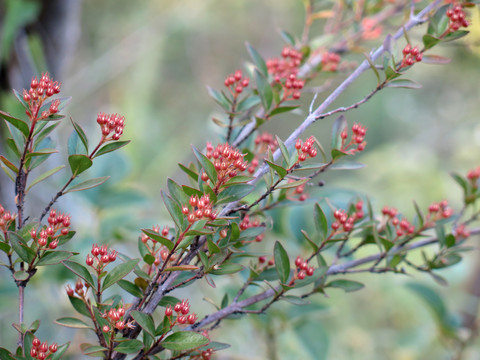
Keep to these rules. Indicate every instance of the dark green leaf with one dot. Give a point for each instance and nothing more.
(283, 109)
(81, 134)
(157, 237)
(79, 163)
(79, 305)
(226, 268)
(430, 41)
(129, 346)
(9, 164)
(53, 257)
(337, 154)
(110, 147)
(234, 192)
(257, 60)
(346, 285)
(174, 210)
(168, 300)
(282, 172)
(6, 355)
(19, 246)
(17, 123)
(176, 191)
(184, 340)
(81, 271)
(282, 262)
(440, 231)
(87, 184)
(450, 240)
(391, 73)
(119, 272)
(264, 90)
(455, 35)
(72, 323)
(321, 223)
(145, 321)
(189, 172)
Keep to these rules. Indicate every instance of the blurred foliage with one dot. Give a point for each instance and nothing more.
(151, 60)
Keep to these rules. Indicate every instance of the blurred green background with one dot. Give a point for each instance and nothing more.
(151, 61)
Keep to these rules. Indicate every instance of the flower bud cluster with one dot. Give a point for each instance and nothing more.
(263, 142)
(58, 225)
(6, 218)
(402, 225)
(411, 55)
(330, 61)
(438, 211)
(356, 142)
(159, 253)
(236, 82)
(115, 318)
(457, 18)
(344, 222)
(461, 232)
(41, 350)
(200, 208)
(303, 269)
(246, 224)
(284, 71)
(183, 317)
(100, 257)
(227, 160)
(473, 175)
(206, 354)
(306, 149)
(112, 126)
(81, 288)
(39, 91)
(298, 193)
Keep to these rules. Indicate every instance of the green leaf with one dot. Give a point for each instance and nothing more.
(264, 90)
(283, 109)
(60, 351)
(129, 347)
(450, 240)
(157, 237)
(185, 267)
(184, 340)
(176, 191)
(234, 192)
(339, 125)
(372, 66)
(72, 323)
(226, 268)
(282, 262)
(403, 83)
(6, 355)
(346, 285)
(174, 210)
(189, 172)
(118, 273)
(248, 103)
(283, 150)
(9, 164)
(337, 154)
(27, 344)
(79, 163)
(455, 35)
(282, 172)
(321, 223)
(440, 231)
(435, 59)
(20, 275)
(168, 300)
(293, 184)
(81, 134)
(13, 146)
(346, 165)
(391, 73)
(17, 123)
(19, 246)
(81, 271)
(288, 38)
(212, 247)
(206, 165)
(79, 305)
(110, 147)
(420, 216)
(93, 350)
(87, 184)
(257, 60)
(219, 98)
(52, 257)
(45, 175)
(430, 41)
(145, 321)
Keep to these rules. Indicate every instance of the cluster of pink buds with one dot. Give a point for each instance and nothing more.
(206, 354)
(356, 142)
(292, 88)
(39, 91)
(81, 288)
(112, 126)
(227, 160)
(473, 175)
(302, 268)
(115, 317)
(236, 82)
(6, 219)
(41, 350)
(201, 208)
(457, 18)
(246, 224)
(298, 193)
(411, 55)
(330, 61)
(345, 223)
(58, 225)
(263, 142)
(402, 226)
(438, 211)
(101, 257)
(182, 309)
(461, 232)
(263, 259)
(306, 149)
(288, 64)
